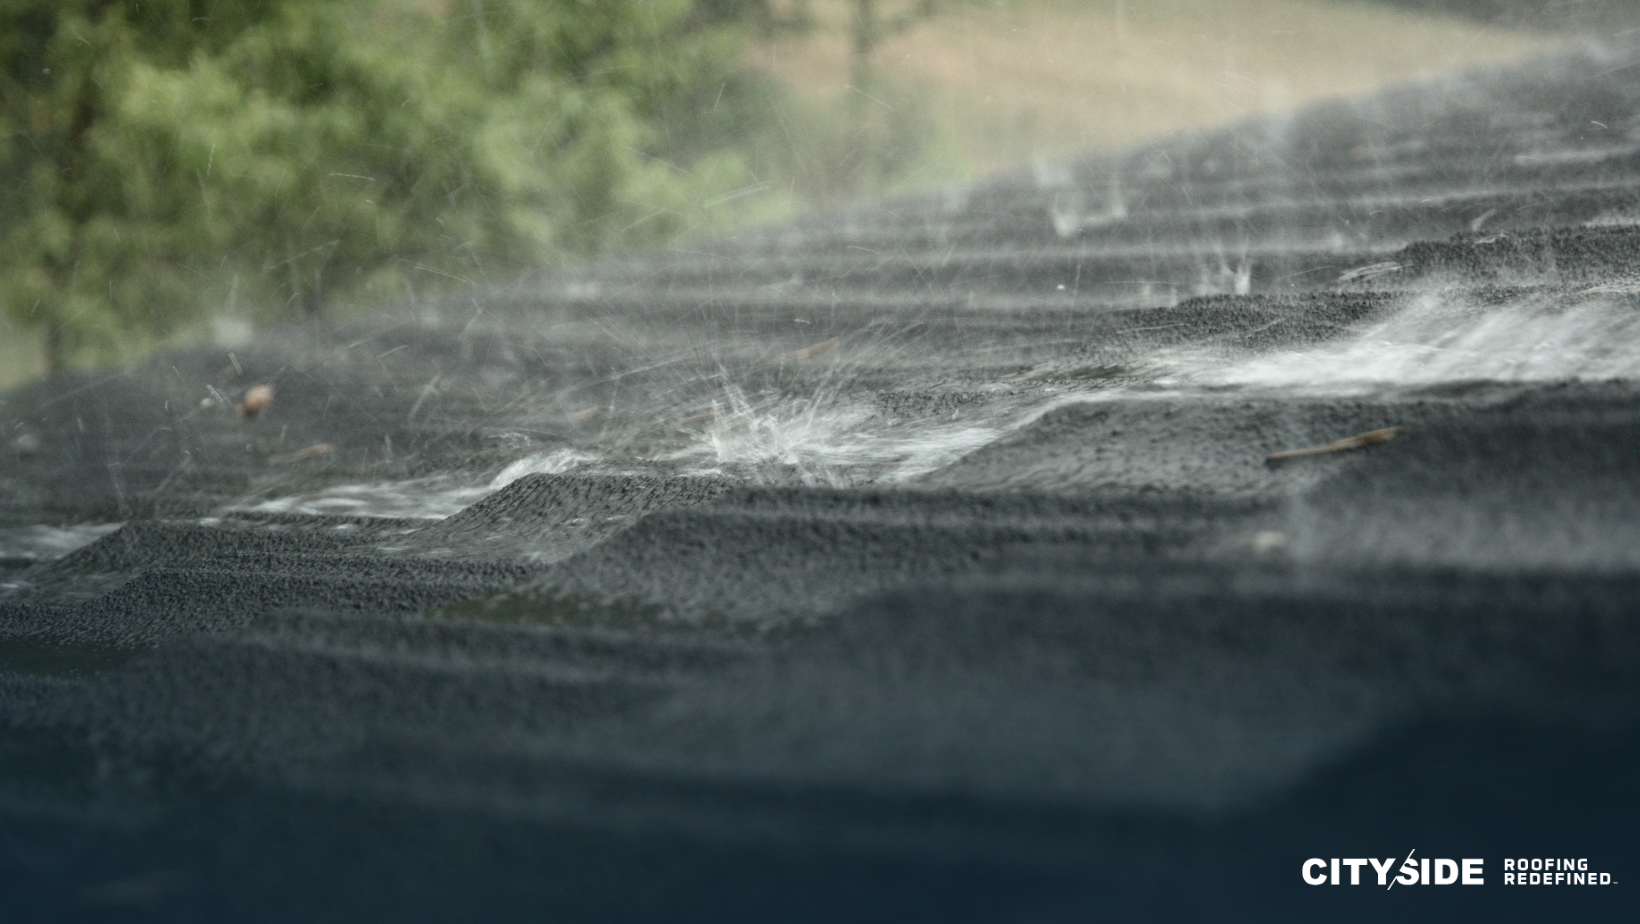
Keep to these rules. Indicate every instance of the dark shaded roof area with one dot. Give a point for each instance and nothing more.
(924, 561)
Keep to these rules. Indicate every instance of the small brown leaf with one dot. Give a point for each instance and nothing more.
(256, 400)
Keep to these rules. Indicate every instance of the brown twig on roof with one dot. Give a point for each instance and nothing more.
(312, 452)
(810, 351)
(1347, 443)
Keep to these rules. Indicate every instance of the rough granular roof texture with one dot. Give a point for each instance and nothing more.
(924, 561)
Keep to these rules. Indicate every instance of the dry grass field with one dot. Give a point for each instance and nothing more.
(1009, 82)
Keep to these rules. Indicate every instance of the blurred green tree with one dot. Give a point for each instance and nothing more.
(165, 158)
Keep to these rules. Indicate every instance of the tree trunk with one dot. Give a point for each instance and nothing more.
(56, 348)
(865, 42)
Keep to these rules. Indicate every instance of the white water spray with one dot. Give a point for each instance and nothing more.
(1432, 341)
(829, 441)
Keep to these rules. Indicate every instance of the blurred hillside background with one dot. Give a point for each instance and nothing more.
(177, 170)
